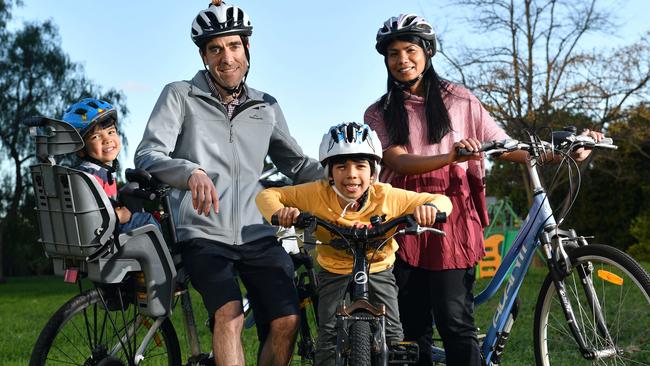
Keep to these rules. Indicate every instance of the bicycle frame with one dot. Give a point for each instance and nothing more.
(536, 231)
(519, 258)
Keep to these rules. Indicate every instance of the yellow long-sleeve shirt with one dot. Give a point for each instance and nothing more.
(319, 199)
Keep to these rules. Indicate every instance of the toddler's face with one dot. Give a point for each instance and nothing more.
(103, 144)
(352, 178)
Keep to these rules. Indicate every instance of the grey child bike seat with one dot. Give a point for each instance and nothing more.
(77, 223)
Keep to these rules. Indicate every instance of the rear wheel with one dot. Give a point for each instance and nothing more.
(360, 342)
(622, 291)
(102, 327)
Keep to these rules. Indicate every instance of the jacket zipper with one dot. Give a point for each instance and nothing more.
(235, 173)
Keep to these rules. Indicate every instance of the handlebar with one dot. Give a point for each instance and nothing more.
(365, 233)
(561, 140)
(133, 189)
(143, 185)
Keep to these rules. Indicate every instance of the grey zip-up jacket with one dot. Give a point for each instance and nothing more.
(189, 129)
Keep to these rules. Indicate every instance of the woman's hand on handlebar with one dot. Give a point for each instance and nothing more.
(286, 216)
(470, 144)
(425, 215)
(582, 153)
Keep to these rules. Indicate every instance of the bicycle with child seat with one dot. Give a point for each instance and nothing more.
(124, 317)
(360, 325)
(593, 306)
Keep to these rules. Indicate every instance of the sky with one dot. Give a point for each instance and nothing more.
(317, 58)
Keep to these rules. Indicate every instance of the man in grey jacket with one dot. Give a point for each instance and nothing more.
(208, 138)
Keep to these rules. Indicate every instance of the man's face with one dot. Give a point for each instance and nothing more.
(226, 60)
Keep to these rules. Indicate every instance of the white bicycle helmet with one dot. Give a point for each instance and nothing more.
(405, 24)
(221, 20)
(350, 139)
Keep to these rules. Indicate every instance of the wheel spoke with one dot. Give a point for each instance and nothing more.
(610, 305)
(114, 337)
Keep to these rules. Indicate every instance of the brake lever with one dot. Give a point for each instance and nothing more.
(417, 230)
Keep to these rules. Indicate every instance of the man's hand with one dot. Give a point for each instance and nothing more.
(204, 193)
(287, 216)
(425, 215)
(470, 144)
(582, 153)
(123, 214)
(216, 2)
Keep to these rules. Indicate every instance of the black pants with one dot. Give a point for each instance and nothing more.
(445, 296)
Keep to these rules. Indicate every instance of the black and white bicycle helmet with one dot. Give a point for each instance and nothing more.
(350, 139)
(406, 24)
(220, 20)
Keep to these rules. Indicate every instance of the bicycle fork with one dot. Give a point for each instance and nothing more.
(361, 310)
(377, 319)
(559, 271)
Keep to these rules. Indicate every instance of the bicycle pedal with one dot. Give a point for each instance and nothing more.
(203, 359)
(400, 353)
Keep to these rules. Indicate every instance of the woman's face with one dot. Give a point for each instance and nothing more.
(406, 61)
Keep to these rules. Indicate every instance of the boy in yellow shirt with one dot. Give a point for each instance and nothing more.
(348, 195)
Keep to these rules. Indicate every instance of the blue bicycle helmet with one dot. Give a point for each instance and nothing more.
(86, 113)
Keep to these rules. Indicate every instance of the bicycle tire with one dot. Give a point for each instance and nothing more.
(360, 342)
(623, 289)
(81, 333)
(305, 347)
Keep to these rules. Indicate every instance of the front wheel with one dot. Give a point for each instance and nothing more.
(102, 327)
(360, 342)
(622, 291)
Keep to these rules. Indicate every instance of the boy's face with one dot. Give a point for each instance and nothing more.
(103, 144)
(352, 178)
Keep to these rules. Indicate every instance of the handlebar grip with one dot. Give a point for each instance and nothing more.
(485, 145)
(275, 221)
(441, 217)
(140, 176)
(34, 121)
(132, 189)
(140, 193)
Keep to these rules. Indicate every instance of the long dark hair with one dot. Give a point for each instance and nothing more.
(395, 117)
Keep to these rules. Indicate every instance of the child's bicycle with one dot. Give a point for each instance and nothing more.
(123, 318)
(594, 305)
(360, 325)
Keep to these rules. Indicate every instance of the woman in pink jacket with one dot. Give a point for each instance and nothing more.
(421, 121)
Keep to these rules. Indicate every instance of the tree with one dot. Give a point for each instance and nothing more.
(534, 65)
(38, 79)
(532, 70)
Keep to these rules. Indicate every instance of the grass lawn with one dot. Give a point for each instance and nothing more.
(27, 303)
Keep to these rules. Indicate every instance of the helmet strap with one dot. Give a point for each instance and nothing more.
(111, 168)
(408, 84)
(355, 204)
(234, 92)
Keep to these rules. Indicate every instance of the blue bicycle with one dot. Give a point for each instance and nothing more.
(593, 307)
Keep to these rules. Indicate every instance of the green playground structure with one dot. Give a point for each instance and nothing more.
(498, 236)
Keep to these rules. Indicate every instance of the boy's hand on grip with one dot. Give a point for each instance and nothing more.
(285, 216)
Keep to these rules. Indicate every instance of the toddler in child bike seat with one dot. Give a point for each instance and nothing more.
(96, 121)
(349, 195)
